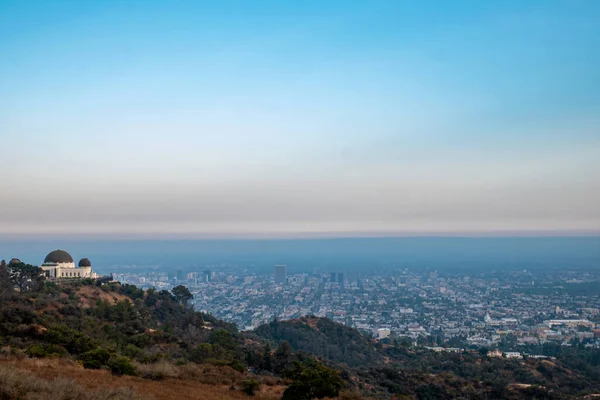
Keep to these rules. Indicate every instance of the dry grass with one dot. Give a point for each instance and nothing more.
(211, 374)
(89, 294)
(19, 384)
(32, 379)
(158, 371)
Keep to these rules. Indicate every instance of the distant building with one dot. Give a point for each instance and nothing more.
(570, 323)
(180, 275)
(280, 273)
(513, 354)
(401, 280)
(59, 264)
(206, 276)
(340, 279)
(433, 275)
(332, 277)
(383, 333)
(494, 353)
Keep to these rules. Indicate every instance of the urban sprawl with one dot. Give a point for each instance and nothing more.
(444, 311)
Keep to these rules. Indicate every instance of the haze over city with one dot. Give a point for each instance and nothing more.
(286, 119)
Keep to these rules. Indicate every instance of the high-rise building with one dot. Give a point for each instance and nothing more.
(433, 275)
(340, 278)
(333, 277)
(280, 273)
(180, 275)
(206, 276)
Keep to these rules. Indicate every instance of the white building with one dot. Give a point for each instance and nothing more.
(59, 264)
(513, 354)
(571, 323)
(383, 333)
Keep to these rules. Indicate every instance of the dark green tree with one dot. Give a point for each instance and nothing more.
(26, 277)
(220, 337)
(182, 295)
(267, 359)
(249, 386)
(282, 357)
(312, 380)
(5, 284)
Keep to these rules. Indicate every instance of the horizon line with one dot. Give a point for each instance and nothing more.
(299, 235)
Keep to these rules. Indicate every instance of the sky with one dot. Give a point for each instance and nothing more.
(299, 118)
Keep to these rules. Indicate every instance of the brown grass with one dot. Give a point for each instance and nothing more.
(69, 377)
(89, 294)
(158, 371)
(19, 384)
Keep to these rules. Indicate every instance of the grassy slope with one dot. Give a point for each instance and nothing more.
(60, 379)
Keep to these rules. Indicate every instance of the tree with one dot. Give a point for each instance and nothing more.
(267, 360)
(249, 386)
(26, 277)
(5, 284)
(313, 380)
(283, 356)
(182, 295)
(220, 337)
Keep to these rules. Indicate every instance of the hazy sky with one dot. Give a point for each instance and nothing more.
(295, 117)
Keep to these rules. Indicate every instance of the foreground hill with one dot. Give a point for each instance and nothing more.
(99, 340)
(323, 338)
(124, 336)
(396, 369)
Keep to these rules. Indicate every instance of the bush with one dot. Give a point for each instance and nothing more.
(35, 350)
(75, 342)
(95, 359)
(132, 351)
(121, 366)
(238, 366)
(46, 350)
(249, 386)
(312, 379)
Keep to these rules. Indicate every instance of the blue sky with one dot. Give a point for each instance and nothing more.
(272, 118)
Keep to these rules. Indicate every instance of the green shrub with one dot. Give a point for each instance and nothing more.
(74, 341)
(121, 366)
(95, 359)
(36, 350)
(249, 386)
(238, 366)
(46, 350)
(312, 379)
(132, 351)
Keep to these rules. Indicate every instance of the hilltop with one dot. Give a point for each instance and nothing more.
(323, 338)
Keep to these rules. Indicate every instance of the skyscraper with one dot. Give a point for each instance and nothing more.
(280, 274)
(433, 275)
(332, 278)
(180, 275)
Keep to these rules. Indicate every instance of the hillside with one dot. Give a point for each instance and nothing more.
(393, 368)
(93, 335)
(323, 338)
(100, 339)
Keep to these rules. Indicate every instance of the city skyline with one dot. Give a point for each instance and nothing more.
(269, 119)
